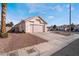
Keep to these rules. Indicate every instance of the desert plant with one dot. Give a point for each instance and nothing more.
(3, 35)
(9, 24)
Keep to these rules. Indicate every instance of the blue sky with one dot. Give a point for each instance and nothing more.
(52, 13)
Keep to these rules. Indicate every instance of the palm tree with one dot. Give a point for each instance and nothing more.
(3, 18)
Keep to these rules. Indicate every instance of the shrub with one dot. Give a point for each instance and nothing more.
(3, 35)
(23, 31)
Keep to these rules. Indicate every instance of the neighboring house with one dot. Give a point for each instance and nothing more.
(8, 28)
(63, 28)
(76, 28)
(33, 24)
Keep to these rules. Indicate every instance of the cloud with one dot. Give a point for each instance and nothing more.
(51, 17)
(58, 8)
(33, 7)
(37, 7)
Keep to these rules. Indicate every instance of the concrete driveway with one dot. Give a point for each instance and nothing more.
(56, 41)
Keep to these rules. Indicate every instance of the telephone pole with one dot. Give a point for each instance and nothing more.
(70, 17)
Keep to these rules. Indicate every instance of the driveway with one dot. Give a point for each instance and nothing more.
(56, 41)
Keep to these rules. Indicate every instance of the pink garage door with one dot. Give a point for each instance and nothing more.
(37, 28)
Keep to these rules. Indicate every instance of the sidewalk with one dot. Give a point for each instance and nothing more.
(54, 44)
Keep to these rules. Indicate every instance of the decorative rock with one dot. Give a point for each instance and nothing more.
(13, 53)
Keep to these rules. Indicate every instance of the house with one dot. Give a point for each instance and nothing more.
(76, 28)
(32, 24)
(8, 26)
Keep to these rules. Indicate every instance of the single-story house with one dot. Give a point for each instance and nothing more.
(32, 24)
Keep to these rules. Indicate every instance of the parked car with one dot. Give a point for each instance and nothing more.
(76, 30)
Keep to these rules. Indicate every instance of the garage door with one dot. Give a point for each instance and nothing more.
(37, 28)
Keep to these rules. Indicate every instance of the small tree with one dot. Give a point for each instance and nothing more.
(72, 27)
(54, 27)
(50, 28)
(10, 24)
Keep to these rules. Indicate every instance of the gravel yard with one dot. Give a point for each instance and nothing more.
(62, 33)
(17, 41)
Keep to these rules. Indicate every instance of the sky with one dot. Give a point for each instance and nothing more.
(52, 13)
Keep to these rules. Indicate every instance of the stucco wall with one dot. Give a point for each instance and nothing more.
(8, 29)
(22, 27)
(26, 25)
(34, 21)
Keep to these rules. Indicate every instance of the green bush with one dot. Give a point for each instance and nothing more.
(3, 35)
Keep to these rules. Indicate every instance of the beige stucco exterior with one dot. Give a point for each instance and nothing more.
(35, 22)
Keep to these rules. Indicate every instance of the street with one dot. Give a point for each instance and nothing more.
(70, 50)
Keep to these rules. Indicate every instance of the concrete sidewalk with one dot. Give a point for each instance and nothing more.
(54, 44)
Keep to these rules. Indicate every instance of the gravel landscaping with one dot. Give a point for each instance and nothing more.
(62, 33)
(17, 41)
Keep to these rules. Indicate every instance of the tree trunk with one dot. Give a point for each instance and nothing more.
(3, 18)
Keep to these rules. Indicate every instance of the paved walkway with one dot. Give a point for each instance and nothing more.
(55, 43)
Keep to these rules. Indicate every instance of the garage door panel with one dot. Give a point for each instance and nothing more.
(37, 28)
